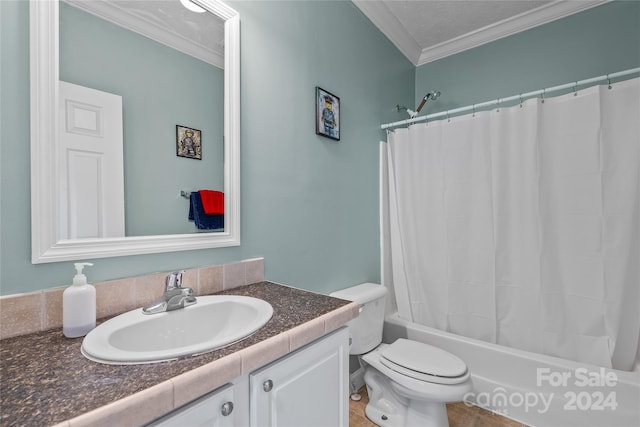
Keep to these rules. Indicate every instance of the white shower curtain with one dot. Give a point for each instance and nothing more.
(521, 226)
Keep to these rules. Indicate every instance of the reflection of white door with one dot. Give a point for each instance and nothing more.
(91, 163)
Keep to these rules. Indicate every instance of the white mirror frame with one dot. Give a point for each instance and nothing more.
(46, 246)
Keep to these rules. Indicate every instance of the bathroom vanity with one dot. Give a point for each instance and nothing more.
(308, 386)
(295, 367)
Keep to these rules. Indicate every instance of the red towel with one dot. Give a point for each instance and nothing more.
(212, 202)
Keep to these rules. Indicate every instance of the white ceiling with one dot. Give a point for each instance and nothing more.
(426, 30)
(423, 30)
(166, 21)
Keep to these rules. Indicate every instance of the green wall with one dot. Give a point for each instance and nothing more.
(160, 88)
(592, 43)
(309, 204)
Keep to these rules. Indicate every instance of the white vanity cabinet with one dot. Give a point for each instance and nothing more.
(306, 388)
(218, 408)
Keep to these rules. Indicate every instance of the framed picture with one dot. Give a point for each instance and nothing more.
(327, 114)
(188, 142)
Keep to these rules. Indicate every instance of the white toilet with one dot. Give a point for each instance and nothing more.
(408, 382)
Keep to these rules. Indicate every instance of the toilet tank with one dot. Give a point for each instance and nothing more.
(366, 329)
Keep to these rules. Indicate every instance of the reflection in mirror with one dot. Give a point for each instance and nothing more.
(160, 88)
(178, 124)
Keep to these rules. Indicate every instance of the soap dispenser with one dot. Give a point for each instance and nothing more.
(79, 305)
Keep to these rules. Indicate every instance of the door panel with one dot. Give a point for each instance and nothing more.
(90, 157)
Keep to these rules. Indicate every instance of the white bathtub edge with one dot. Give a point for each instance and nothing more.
(500, 372)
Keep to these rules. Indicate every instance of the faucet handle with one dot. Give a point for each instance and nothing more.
(173, 281)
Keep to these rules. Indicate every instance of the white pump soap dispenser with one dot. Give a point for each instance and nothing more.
(79, 305)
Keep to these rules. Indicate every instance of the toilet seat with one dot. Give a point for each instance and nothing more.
(423, 362)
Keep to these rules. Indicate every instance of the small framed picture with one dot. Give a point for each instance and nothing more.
(188, 142)
(327, 114)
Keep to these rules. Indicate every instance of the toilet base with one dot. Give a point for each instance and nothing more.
(387, 408)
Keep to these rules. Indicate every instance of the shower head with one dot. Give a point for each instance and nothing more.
(433, 95)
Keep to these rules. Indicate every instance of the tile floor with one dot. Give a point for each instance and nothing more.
(460, 415)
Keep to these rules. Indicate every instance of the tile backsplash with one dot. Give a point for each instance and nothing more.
(22, 314)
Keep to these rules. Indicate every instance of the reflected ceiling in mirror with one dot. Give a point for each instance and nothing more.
(165, 63)
(166, 21)
(48, 244)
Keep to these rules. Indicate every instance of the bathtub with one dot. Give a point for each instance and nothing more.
(534, 389)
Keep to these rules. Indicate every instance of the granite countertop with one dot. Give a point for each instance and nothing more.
(44, 379)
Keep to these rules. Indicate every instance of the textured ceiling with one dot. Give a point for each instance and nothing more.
(165, 21)
(423, 30)
(433, 22)
(426, 30)
(202, 28)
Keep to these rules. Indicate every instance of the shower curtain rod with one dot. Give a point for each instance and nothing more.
(521, 97)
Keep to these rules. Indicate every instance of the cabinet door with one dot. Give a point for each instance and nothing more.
(304, 389)
(215, 409)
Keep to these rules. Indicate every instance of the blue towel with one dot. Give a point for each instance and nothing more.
(202, 220)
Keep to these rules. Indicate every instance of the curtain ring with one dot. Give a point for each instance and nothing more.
(609, 82)
(520, 100)
(474, 110)
(448, 118)
(498, 109)
(575, 90)
(543, 92)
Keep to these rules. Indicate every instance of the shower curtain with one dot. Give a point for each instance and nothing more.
(520, 226)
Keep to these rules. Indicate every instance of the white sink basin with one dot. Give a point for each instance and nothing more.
(213, 322)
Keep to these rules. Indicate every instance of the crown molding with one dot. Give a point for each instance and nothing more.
(390, 26)
(505, 28)
(116, 14)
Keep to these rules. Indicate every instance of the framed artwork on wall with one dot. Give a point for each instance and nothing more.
(188, 142)
(327, 114)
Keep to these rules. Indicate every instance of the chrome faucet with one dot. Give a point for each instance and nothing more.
(175, 296)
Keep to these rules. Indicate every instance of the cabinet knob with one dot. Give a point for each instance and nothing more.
(267, 385)
(227, 408)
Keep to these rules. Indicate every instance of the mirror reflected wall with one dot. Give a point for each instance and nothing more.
(170, 91)
(161, 88)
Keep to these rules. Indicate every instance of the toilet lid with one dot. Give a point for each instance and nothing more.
(422, 361)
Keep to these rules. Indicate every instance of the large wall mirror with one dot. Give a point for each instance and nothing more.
(146, 74)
